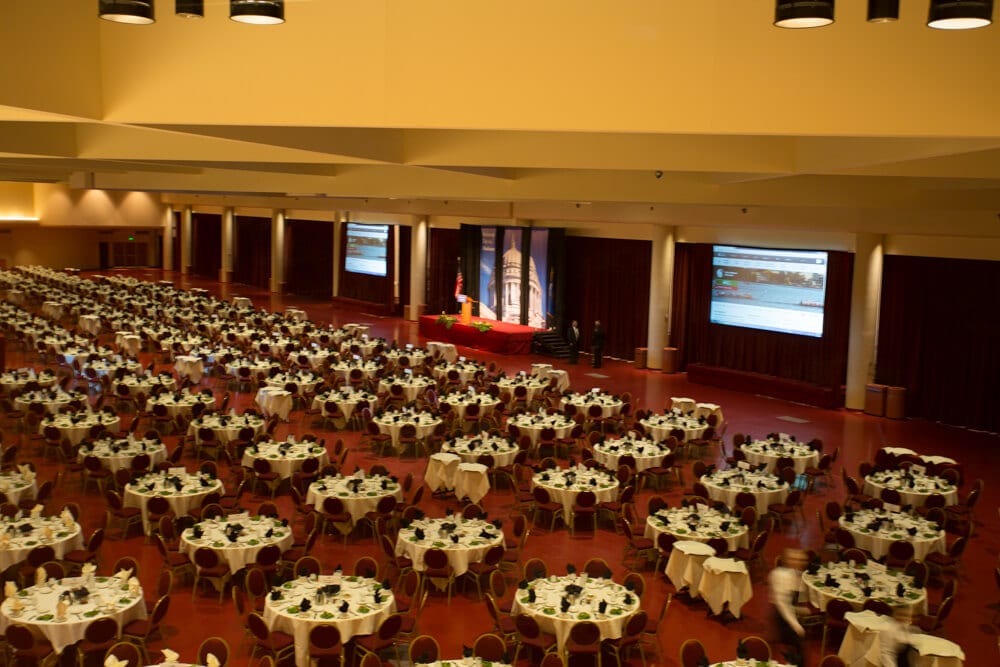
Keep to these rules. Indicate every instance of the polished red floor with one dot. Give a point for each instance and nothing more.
(973, 624)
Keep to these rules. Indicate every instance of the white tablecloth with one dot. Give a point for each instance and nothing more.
(646, 452)
(448, 351)
(274, 401)
(660, 426)
(685, 565)
(768, 452)
(65, 536)
(725, 581)
(564, 491)
(285, 458)
(894, 526)
(532, 425)
(883, 582)
(915, 495)
(116, 453)
(75, 431)
(447, 471)
(189, 366)
(193, 489)
(243, 552)
(471, 447)
(707, 524)
(471, 547)
(772, 491)
(393, 422)
(359, 503)
(363, 617)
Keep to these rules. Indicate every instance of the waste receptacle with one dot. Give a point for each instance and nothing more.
(875, 399)
(895, 402)
(640, 357)
(670, 359)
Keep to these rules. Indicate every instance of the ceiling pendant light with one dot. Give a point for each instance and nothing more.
(138, 12)
(960, 14)
(803, 13)
(190, 9)
(883, 11)
(260, 12)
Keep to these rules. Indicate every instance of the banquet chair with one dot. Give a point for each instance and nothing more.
(74, 560)
(531, 637)
(383, 639)
(584, 510)
(692, 653)
(597, 568)
(99, 636)
(544, 504)
(878, 606)
(535, 568)
(423, 650)
(640, 549)
(635, 582)
(664, 547)
(211, 569)
(365, 566)
(437, 568)
(124, 651)
(584, 640)
(216, 646)
(485, 568)
(854, 554)
(901, 552)
(325, 645)
(757, 648)
(29, 651)
(125, 517)
(932, 622)
(336, 518)
(176, 563)
(263, 474)
(631, 638)
(277, 645)
(490, 647)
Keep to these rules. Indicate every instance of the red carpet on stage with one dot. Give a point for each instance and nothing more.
(503, 338)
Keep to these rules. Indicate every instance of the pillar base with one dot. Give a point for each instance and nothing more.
(225, 276)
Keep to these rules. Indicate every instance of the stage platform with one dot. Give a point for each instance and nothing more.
(503, 338)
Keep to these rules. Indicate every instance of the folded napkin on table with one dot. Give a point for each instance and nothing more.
(61, 608)
(36, 511)
(40, 576)
(88, 569)
(133, 585)
(124, 574)
(16, 604)
(9, 589)
(211, 660)
(170, 656)
(112, 661)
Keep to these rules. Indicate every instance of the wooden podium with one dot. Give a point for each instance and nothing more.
(466, 314)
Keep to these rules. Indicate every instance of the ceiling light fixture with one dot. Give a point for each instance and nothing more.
(883, 11)
(258, 12)
(190, 9)
(960, 14)
(803, 13)
(136, 12)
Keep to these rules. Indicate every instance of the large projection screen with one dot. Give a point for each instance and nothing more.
(772, 290)
(367, 249)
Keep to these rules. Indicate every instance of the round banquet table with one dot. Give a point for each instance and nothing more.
(256, 533)
(90, 323)
(193, 489)
(700, 524)
(660, 426)
(924, 535)
(725, 485)
(547, 373)
(358, 502)
(564, 485)
(39, 604)
(546, 608)
(128, 342)
(459, 400)
(18, 486)
(850, 587)
(914, 494)
(111, 366)
(305, 380)
(76, 426)
(646, 452)
(345, 399)
(926, 458)
(470, 447)
(144, 384)
(475, 538)
(368, 368)
(609, 405)
(180, 403)
(862, 644)
(414, 356)
(285, 457)
(466, 370)
(412, 385)
(532, 385)
(13, 381)
(274, 401)
(53, 399)
(363, 615)
(365, 347)
(226, 427)
(532, 425)
(685, 567)
(393, 422)
(768, 452)
(725, 583)
(16, 540)
(117, 453)
(189, 366)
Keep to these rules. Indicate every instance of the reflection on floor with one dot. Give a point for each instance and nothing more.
(973, 623)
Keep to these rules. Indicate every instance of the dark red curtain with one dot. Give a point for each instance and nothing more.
(443, 249)
(608, 280)
(938, 338)
(309, 268)
(820, 361)
(206, 251)
(252, 264)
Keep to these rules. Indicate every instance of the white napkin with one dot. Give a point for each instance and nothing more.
(61, 607)
(124, 575)
(67, 518)
(47, 532)
(211, 660)
(88, 569)
(40, 576)
(170, 656)
(16, 605)
(133, 586)
(9, 589)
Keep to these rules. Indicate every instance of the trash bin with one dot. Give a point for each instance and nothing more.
(895, 402)
(670, 359)
(875, 399)
(640, 357)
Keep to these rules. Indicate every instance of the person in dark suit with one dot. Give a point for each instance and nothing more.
(597, 344)
(573, 340)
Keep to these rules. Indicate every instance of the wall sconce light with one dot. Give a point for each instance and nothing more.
(960, 14)
(136, 12)
(803, 13)
(258, 12)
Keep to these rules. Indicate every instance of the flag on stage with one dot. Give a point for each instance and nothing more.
(458, 282)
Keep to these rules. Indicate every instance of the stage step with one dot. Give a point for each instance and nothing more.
(549, 343)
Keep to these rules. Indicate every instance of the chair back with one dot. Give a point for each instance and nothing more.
(324, 636)
(692, 653)
(435, 559)
(585, 633)
(489, 647)
(206, 558)
(423, 650)
(101, 630)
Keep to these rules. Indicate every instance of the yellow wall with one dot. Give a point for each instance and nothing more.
(59, 206)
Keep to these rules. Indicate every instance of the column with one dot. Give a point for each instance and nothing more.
(168, 238)
(338, 235)
(277, 252)
(661, 280)
(418, 267)
(226, 268)
(866, 293)
(186, 241)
